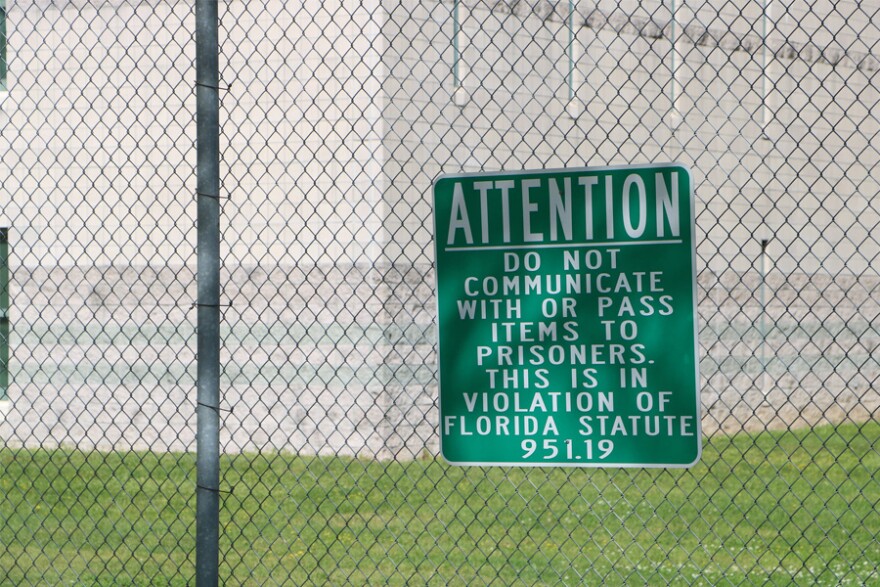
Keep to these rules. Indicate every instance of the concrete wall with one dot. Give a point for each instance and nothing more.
(99, 133)
(303, 131)
(795, 165)
(337, 117)
(778, 140)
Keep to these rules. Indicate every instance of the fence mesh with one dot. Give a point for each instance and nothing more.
(336, 117)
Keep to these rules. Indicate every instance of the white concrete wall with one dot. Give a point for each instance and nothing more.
(97, 135)
(758, 174)
(337, 116)
(303, 130)
(779, 144)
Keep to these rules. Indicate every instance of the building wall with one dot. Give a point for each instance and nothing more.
(777, 131)
(302, 129)
(780, 174)
(97, 133)
(336, 118)
(344, 111)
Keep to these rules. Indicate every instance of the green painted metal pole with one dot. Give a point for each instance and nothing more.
(208, 256)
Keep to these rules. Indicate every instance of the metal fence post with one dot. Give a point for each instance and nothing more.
(208, 252)
(4, 313)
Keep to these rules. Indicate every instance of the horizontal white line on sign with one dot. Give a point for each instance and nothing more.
(560, 246)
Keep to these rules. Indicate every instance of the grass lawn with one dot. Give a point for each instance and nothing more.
(793, 508)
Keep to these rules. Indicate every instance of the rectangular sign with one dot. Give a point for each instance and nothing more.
(566, 305)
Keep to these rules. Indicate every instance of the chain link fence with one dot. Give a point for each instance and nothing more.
(336, 117)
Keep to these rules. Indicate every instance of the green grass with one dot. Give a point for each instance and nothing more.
(793, 508)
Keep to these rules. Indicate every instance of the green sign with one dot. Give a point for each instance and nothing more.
(567, 317)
